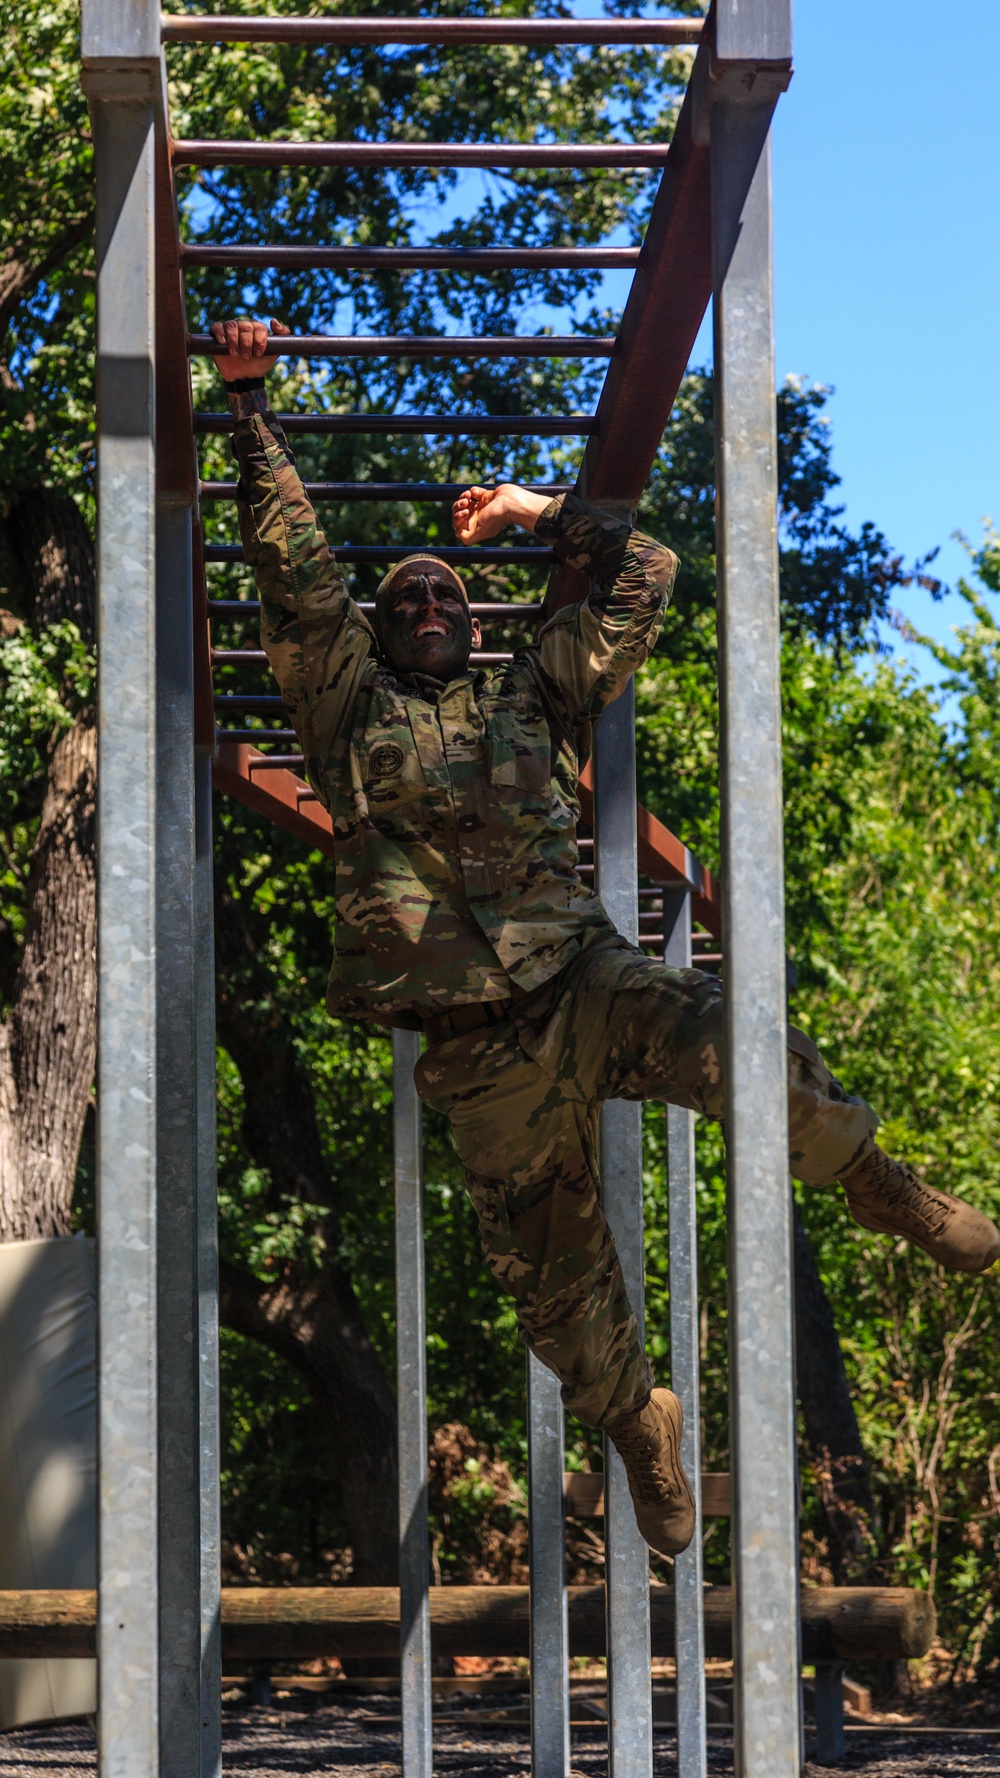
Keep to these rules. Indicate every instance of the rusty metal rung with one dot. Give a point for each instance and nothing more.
(255, 737)
(355, 345)
(478, 608)
(413, 259)
(424, 425)
(395, 552)
(388, 491)
(540, 156)
(432, 32)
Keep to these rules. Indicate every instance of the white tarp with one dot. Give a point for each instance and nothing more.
(48, 1454)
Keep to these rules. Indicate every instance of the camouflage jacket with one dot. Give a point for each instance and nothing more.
(454, 806)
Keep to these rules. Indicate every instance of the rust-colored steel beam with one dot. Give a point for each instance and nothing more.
(413, 259)
(665, 859)
(356, 491)
(426, 425)
(234, 771)
(663, 312)
(355, 345)
(176, 455)
(541, 156)
(465, 556)
(438, 33)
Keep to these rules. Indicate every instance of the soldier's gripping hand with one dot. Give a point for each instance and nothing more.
(480, 513)
(244, 344)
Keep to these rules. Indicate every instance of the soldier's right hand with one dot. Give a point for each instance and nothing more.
(245, 344)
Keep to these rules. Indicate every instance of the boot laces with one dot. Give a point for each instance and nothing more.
(643, 1453)
(895, 1188)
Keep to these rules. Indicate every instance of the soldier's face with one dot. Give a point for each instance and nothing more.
(426, 627)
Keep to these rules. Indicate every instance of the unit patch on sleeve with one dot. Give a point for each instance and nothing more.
(385, 760)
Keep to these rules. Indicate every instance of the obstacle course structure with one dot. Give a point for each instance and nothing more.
(161, 1620)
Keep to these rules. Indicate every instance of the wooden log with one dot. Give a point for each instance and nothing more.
(302, 1623)
(48, 1623)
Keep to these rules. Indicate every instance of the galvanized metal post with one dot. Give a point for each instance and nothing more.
(547, 1550)
(689, 1612)
(120, 52)
(765, 1532)
(411, 1385)
(630, 1725)
(176, 1131)
(208, 1278)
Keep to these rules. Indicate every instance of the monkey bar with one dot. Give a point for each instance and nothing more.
(159, 1621)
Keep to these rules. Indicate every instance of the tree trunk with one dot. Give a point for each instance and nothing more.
(48, 1044)
(831, 1425)
(310, 1315)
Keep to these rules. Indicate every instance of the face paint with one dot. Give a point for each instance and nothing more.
(424, 626)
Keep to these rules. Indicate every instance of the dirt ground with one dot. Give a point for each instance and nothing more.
(360, 1739)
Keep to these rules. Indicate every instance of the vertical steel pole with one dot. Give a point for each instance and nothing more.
(208, 1279)
(762, 1398)
(411, 1385)
(547, 1550)
(176, 1127)
(689, 1613)
(630, 1724)
(118, 55)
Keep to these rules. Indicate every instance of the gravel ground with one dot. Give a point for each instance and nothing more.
(360, 1740)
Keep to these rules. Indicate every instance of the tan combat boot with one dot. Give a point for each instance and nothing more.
(886, 1196)
(649, 1444)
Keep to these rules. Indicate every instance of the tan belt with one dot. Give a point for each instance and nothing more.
(446, 1025)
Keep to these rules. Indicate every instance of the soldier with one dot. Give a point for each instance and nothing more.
(453, 796)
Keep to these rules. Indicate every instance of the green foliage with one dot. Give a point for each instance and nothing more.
(45, 681)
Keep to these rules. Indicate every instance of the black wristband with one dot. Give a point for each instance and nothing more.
(243, 384)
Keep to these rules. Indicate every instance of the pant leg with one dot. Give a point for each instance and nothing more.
(528, 1145)
(629, 1027)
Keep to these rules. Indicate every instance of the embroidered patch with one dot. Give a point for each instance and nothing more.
(385, 760)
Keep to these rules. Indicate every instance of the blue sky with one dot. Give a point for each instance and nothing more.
(887, 269)
(887, 191)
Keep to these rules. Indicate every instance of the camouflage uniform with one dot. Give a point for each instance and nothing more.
(454, 813)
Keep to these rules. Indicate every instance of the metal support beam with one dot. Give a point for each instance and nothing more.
(762, 1412)
(208, 1277)
(630, 1728)
(829, 1696)
(411, 1386)
(121, 90)
(684, 1379)
(176, 1133)
(547, 1549)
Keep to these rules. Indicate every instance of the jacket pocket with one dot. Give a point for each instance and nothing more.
(520, 750)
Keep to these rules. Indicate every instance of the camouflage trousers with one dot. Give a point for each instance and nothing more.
(523, 1098)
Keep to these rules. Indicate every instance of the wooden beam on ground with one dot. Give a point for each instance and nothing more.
(306, 1623)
